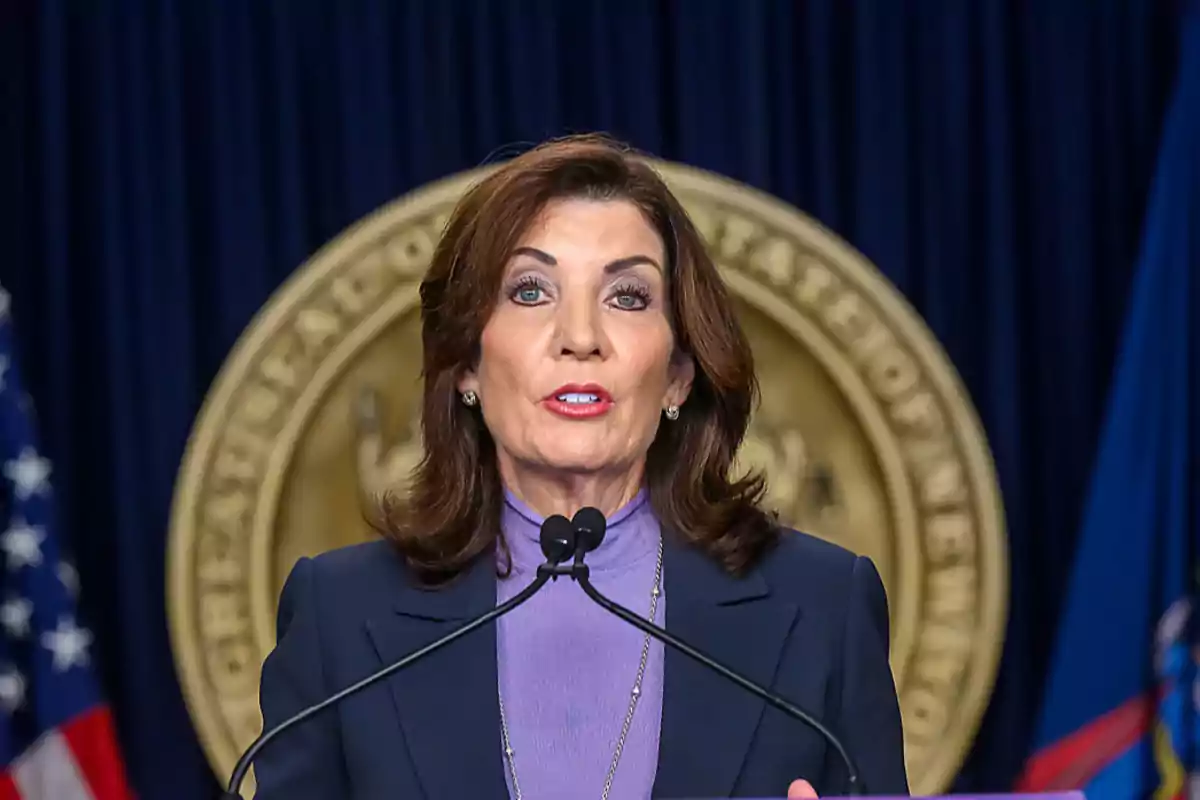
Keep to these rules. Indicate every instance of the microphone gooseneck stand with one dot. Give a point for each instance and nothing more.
(558, 543)
(560, 540)
(590, 527)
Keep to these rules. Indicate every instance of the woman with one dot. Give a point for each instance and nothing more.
(580, 350)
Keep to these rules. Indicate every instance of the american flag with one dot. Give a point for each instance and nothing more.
(56, 733)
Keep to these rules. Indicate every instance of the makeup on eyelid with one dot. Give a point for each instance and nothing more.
(528, 283)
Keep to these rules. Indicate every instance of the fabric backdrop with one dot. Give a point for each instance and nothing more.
(168, 164)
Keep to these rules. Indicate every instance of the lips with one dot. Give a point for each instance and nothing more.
(579, 401)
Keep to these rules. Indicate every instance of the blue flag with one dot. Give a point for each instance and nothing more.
(1119, 717)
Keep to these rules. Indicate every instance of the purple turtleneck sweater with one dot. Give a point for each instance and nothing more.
(567, 666)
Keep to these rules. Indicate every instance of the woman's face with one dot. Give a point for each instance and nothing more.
(577, 363)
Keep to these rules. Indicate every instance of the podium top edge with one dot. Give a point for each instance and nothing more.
(1072, 795)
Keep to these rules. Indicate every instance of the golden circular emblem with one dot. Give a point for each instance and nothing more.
(866, 433)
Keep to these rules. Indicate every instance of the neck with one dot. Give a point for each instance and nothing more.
(548, 493)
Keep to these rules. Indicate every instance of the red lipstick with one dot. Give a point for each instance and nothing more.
(579, 401)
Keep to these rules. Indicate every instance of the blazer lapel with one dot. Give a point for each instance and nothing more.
(447, 702)
(708, 722)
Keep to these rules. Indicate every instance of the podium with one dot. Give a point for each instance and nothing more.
(1074, 795)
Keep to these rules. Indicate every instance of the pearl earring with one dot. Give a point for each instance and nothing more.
(672, 412)
(469, 398)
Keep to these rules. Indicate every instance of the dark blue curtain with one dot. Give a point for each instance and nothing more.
(167, 164)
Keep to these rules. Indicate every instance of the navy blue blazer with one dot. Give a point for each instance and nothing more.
(810, 621)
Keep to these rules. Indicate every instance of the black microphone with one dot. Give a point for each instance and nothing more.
(558, 544)
(590, 527)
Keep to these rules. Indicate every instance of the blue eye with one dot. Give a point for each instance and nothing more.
(528, 291)
(631, 298)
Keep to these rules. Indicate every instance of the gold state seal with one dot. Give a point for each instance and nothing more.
(867, 436)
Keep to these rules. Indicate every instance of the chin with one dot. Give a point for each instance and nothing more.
(577, 459)
(578, 463)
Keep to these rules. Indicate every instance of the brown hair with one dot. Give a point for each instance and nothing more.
(452, 514)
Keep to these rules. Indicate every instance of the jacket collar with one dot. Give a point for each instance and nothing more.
(448, 705)
(471, 593)
(708, 722)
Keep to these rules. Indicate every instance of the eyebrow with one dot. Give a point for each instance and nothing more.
(611, 268)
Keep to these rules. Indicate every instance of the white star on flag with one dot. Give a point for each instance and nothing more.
(56, 733)
(15, 615)
(69, 644)
(68, 576)
(12, 689)
(22, 543)
(30, 474)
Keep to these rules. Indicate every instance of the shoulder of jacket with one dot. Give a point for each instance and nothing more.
(361, 566)
(802, 563)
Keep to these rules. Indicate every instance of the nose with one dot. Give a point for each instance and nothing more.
(580, 330)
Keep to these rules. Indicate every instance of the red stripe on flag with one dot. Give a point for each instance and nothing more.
(1072, 762)
(93, 741)
(8, 788)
